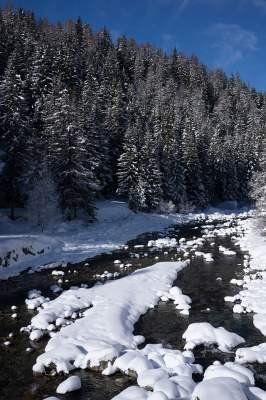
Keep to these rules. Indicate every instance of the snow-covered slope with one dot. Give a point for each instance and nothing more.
(65, 242)
(76, 241)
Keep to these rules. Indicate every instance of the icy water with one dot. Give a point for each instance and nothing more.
(162, 325)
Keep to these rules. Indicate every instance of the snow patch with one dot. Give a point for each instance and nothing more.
(106, 329)
(204, 333)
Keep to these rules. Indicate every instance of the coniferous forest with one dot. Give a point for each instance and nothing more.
(83, 117)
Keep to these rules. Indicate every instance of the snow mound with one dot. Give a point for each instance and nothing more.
(252, 354)
(69, 385)
(253, 299)
(204, 333)
(163, 243)
(35, 299)
(230, 370)
(165, 371)
(230, 381)
(15, 249)
(220, 389)
(52, 398)
(106, 329)
(226, 252)
(132, 393)
(181, 301)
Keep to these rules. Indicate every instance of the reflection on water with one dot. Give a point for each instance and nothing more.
(163, 324)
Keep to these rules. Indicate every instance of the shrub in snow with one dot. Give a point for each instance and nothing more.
(186, 208)
(167, 207)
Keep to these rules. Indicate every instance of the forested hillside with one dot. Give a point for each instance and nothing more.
(83, 117)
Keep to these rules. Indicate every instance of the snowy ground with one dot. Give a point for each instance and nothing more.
(76, 241)
(102, 337)
(23, 246)
(94, 327)
(252, 296)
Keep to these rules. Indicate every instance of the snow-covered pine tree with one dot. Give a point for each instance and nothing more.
(195, 190)
(14, 120)
(130, 182)
(42, 201)
(258, 182)
(174, 187)
(67, 153)
(75, 178)
(112, 89)
(150, 171)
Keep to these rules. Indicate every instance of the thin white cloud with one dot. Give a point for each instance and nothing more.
(167, 37)
(260, 4)
(180, 5)
(183, 4)
(232, 43)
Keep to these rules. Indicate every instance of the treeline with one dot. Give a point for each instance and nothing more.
(82, 117)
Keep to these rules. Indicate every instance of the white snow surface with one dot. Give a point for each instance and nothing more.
(254, 243)
(52, 398)
(252, 354)
(199, 333)
(219, 389)
(76, 241)
(252, 297)
(69, 385)
(106, 328)
(230, 381)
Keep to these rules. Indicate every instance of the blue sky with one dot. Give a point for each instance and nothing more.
(223, 33)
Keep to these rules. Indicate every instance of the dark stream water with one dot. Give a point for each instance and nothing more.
(161, 325)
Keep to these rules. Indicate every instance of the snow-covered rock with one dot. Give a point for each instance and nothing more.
(69, 385)
(219, 389)
(204, 333)
(226, 252)
(163, 243)
(36, 334)
(181, 300)
(51, 398)
(132, 393)
(230, 370)
(252, 354)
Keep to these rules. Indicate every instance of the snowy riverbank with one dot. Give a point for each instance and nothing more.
(252, 296)
(76, 241)
(23, 246)
(101, 337)
(93, 327)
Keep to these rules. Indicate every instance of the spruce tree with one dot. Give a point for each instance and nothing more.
(14, 119)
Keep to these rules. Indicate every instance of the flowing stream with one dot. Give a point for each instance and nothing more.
(163, 324)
